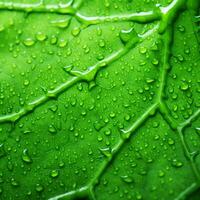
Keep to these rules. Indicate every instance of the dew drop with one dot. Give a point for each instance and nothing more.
(26, 82)
(176, 163)
(170, 141)
(126, 36)
(53, 39)
(184, 86)
(161, 173)
(39, 188)
(2, 151)
(102, 43)
(76, 31)
(29, 42)
(63, 23)
(68, 68)
(52, 129)
(143, 50)
(14, 182)
(127, 179)
(26, 157)
(62, 43)
(41, 36)
(54, 173)
(155, 61)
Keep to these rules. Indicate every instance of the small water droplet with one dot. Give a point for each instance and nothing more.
(68, 68)
(62, 43)
(143, 50)
(39, 188)
(2, 151)
(54, 173)
(26, 82)
(52, 129)
(155, 61)
(76, 31)
(161, 173)
(14, 182)
(41, 36)
(29, 42)
(53, 39)
(127, 179)
(170, 141)
(176, 163)
(62, 23)
(101, 43)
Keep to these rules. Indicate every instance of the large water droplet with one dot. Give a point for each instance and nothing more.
(126, 36)
(26, 157)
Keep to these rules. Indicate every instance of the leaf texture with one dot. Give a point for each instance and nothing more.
(99, 99)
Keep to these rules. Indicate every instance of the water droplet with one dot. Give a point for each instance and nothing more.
(26, 157)
(102, 43)
(99, 138)
(54, 39)
(112, 115)
(29, 42)
(138, 196)
(127, 117)
(127, 179)
(197, 131)
(170, 141)
(143, 50)
(2, 151)
(99, 31)
(52, 129)
(180, 58)
(39, 188)
(14, 182)
(184, 86)
(68, 68)
(76, 31)
(54, 108)
(181, 28)
(63, 23)
(126, 36)
(61, 164)
(107, 132)
(106, 152)
(150, 80)
(161, 173)
(155, 61)
(62, 43)
(41, 36)
(54, 173)
(176, 163)
(155, 124)
(26, 82)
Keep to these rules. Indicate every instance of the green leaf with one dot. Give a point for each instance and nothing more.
(99, 99)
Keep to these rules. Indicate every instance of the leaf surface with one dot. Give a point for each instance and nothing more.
(99, 99)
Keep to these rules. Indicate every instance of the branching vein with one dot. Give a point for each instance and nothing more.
(87, 75)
